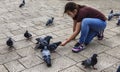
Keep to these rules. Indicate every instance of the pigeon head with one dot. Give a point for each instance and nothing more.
(50, 37)
(58, 43)
(10, 38)
(26, 31)
(52, 18)
(94, 56)
(37, 39)
(111, 11)
(24, 1)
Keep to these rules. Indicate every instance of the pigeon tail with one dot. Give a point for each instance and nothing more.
(48, 61)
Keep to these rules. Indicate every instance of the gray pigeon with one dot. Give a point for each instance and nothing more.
(50, 21)
(9, 42)
(41, 42)
(22, 4)
(90, 62)
(46, 56)
(116, 14)
(110, 16)
(48, 38)
(53, 46)
(27, 35)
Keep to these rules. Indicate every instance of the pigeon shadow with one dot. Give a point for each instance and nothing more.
(11, 48)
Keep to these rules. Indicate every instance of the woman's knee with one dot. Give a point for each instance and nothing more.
(85, 22)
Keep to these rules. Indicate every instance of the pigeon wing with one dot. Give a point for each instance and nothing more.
(87, 62)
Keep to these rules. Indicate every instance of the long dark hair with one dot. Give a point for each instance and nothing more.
(70, 6)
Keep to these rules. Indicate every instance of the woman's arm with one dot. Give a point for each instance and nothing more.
(74, 25)
(75, 33)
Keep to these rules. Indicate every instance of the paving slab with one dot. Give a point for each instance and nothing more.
(8, 57)
(30, 61)
(57, 64)
(14, 66)
(3, 69)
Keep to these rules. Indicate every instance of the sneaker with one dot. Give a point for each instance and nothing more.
(77, 48)
(77, 44)
(86, 44)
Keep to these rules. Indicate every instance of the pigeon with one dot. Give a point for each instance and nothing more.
(27, 35)
(110, 15)
(50, 21)
(90, 61)
(22, 4)
(118, 70)
(46, 56)
(116, 14)
(47, 38)
(9, 42)
(41, 42)
(52, 47)
(118, 23)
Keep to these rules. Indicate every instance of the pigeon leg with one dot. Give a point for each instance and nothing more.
(94, 68)
(11, 47)
(85, 67)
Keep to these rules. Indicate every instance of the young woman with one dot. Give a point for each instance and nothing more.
(89, 21)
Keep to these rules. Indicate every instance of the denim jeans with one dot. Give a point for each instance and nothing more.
(90, 27)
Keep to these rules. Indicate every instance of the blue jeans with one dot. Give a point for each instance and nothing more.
(90, 27)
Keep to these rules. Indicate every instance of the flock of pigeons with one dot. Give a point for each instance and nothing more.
(112, 14)
(46, 48)
(42, 43)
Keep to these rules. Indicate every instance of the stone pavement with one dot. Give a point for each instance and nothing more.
(23, 58)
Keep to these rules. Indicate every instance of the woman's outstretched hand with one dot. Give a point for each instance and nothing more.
(64, 43)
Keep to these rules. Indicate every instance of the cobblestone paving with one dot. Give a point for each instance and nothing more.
(23, 58)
